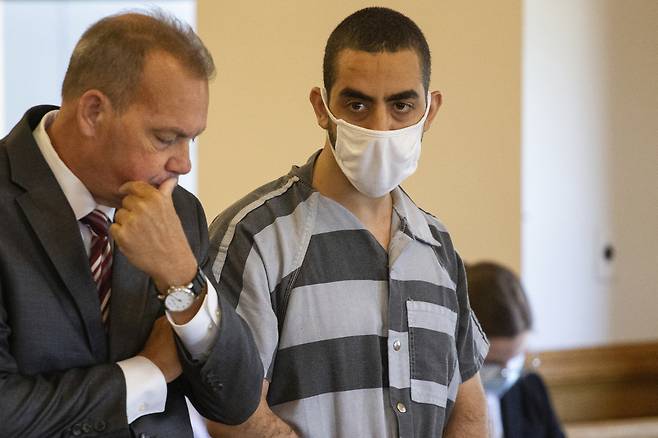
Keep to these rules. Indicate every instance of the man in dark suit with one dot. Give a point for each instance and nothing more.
(85, 346)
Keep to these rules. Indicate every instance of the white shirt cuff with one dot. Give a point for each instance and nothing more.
(146, 387)
(200, 333)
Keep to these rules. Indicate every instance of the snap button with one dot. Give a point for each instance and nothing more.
(401, 407)
(396, 345)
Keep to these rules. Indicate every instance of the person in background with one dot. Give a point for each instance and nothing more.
(519, 404)
(356, 297)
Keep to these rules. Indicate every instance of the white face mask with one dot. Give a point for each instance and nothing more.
(376, 162)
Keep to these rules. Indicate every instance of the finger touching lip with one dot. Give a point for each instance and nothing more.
(157, 182)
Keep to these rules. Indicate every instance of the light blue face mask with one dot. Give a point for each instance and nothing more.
(497, 380)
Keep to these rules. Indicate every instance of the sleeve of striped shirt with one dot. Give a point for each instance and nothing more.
(242, 279)
(472, 344)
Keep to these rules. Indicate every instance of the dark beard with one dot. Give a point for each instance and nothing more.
(332, 134)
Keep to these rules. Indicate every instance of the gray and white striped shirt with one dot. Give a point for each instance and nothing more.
(356, 341)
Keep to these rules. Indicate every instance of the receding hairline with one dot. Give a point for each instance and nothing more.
(124, 42)
(143, 92)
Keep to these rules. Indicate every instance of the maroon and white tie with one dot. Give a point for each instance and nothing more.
(100, 258)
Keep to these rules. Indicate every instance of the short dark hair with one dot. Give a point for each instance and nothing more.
(374, 30)
(498, 299)
(110, 55)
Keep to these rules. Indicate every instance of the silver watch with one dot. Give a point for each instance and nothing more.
(181, 298)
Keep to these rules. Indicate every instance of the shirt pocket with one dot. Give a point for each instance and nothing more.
(432, 351)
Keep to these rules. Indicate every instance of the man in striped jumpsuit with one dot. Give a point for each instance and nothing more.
(355, 296)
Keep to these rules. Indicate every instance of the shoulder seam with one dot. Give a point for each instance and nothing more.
(239, 216)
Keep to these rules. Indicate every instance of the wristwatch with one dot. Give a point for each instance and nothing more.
(181, 298)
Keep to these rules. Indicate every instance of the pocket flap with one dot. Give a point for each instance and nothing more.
(430, 316)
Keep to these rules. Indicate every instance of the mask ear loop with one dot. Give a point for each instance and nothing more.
(428, 103)
(323, 94)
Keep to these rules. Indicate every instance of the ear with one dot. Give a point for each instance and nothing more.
(93, 111)
(435, 104)
(320, 111)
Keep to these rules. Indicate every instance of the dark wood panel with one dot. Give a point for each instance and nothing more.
(599, 383)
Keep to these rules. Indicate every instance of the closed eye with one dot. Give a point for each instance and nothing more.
(167, 141)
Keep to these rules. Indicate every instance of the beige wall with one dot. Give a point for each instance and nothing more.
(269, 55)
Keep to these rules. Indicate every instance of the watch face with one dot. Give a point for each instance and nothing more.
(179, 300)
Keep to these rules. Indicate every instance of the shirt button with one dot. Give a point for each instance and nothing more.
(401, 407)
(142, 407)
(396, 345)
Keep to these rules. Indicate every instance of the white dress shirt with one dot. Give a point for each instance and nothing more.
(146, 388)
(495, 416)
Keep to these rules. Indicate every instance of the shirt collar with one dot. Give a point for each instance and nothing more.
(409, 214)
(80, 199)
(305, 172)
(412, 217)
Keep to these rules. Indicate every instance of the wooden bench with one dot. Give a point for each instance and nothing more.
(591, 386)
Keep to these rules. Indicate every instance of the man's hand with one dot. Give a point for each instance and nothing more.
(262, 423)
(149, 232)
(160, 349)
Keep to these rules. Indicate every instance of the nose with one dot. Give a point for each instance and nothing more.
(379, 119)
(179, 162)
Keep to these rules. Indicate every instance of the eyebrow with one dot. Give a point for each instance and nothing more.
(404, 95)
(350, 92)
(355, 94)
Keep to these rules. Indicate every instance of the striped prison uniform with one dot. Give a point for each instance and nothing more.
(355, 341)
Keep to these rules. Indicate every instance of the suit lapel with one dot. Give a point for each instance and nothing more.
(50, 216)
(133, 308)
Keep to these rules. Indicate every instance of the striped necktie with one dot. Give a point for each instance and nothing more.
(100, 258)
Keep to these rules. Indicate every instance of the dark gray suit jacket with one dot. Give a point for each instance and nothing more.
(58, 372)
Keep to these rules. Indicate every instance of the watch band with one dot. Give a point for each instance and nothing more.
(199, 282)
(196, 286)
